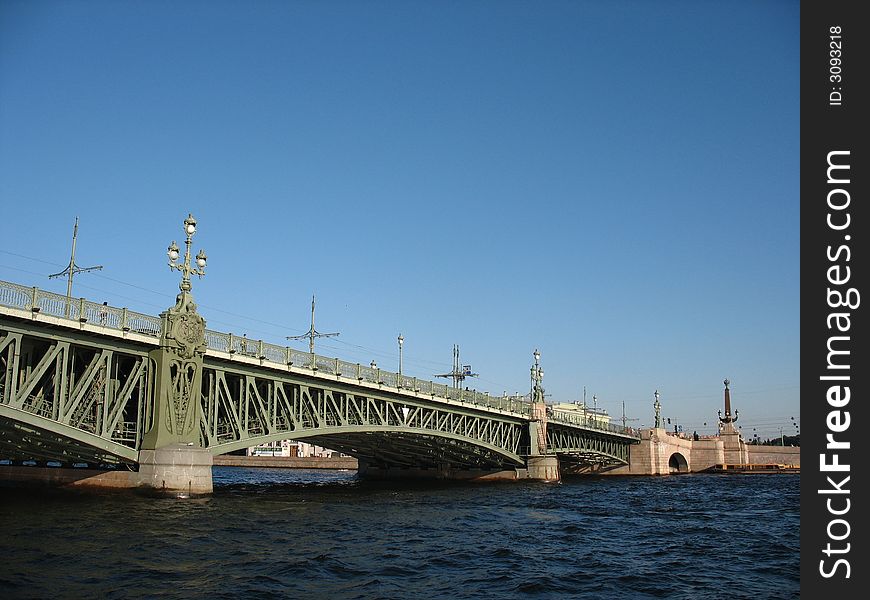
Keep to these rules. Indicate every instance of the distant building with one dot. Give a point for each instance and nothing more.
(579, 412)
(292, 448)
(282, 448)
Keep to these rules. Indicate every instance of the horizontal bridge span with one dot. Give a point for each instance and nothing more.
(95, 388)
(49, 310)
(39, 308)
(588, 447)
(241, 410)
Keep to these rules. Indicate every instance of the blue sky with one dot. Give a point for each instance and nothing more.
(613, 183)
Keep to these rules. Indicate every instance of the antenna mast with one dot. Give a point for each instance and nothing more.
(312, 332)
(72, 269)
(459, 372)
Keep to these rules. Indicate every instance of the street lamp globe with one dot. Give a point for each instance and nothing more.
(190, 224)
(172, 251)
(200, 259)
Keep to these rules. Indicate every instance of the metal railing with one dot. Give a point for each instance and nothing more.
(561, 416)
(34, 300)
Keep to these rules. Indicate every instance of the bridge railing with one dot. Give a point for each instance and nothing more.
(590, 423)
(80, 310)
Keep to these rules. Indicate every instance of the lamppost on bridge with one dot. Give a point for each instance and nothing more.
(658, 406)
(401, 341)
(537, 376)
(186, 269)
(538, 410)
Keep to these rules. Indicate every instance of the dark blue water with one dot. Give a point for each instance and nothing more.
(319, 534)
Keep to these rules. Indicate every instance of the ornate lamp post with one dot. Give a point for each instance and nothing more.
(537, 374)
(538, 410)
(171, 458)
(179, 359)
(185, 268)
(658, 406)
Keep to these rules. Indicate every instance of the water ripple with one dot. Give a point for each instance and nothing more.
(330, 535)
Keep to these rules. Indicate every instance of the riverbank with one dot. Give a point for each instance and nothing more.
(754, 468)
(286, 462)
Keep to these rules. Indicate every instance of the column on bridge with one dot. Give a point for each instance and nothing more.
(539, 464)
(172, 460)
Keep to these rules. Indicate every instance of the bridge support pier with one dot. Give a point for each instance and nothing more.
(176, 470)
(543, 468)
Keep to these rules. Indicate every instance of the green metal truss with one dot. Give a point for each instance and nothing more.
(587, 450)
(243, 408)
(71, 393)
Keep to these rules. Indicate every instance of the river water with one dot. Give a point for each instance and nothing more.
(325, 534)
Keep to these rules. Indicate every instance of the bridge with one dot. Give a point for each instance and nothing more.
(155, 398)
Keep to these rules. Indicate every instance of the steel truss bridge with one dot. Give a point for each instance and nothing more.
(77, 385)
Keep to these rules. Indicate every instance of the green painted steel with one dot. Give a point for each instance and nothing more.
(97, 371)
(585, 446)
(244, 406)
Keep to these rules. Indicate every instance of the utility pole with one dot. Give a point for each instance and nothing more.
(460, 371)
(623, 415)
(312, 332)
(72, 269)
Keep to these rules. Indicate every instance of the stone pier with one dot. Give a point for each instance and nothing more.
(176, 470)
(543, 468)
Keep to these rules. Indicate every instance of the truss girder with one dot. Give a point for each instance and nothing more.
(56, 385)
(25, 436)
(97, 393)
(587, 447)
(241, 409)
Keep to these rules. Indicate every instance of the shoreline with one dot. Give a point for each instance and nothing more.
(286, 462)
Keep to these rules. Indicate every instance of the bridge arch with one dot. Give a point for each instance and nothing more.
(677, 463)
(391, 446)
